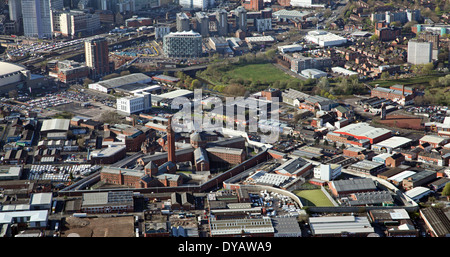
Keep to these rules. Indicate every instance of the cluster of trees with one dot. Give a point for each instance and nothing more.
(339, 86)
(423, 69)
(441, 82)
(187, 81)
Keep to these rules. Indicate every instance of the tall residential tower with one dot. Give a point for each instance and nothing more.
(97, 56)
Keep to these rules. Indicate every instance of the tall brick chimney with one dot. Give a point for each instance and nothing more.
(170, 142)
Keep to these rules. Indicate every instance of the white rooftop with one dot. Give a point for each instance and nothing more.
(417, 192)
(339, 224)
(363, 130)
(33, 216)
(176, 93)
(111, 150)
(402, 175)
(432, 139)
(7, 68)
(55, 124)
(394, 142)
(41, 198)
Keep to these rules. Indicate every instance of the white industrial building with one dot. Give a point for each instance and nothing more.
(290, 48)
(340, 225)
(418, 192)
(391, 144)
(290, 14)
(177, 93)
(324, 39)
(313, 73)
(33, 219)
(327, 172)
(106, 86)
(398, 178)
(343, 71)
(140, 102)
(11, 173)
(55, 125)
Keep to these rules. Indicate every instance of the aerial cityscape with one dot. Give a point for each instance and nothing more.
(225, 118)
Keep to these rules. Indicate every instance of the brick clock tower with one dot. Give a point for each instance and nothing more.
(170, 142)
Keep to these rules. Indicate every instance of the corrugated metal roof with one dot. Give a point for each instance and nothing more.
(55, 124)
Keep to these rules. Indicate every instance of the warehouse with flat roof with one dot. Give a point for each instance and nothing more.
(233, 227)
(108, 85)
(340, 225)
(55, 125)
(365, 131)
(391, 144)
(324, 39)
(349, 186)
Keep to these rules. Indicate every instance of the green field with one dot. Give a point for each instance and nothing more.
(266, 73)
(245, 74)
(313, 198)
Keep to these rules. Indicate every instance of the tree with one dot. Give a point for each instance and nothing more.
(196, 83)
(446, 191)
(13, 93)
(384, 75)
(110, 117)
(323, 84)
(86, 82)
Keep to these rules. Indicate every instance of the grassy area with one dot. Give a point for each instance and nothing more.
(266, 73)
(313, 198)
(247, 74)
(417, 80)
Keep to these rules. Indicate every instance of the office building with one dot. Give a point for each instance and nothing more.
(419, 52)
(37, 18)
(97, 56)
(187, 44)
(78, 23)
(183, 23)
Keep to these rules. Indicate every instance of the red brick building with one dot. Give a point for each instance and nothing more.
(253, 5)
(398, 93)
(395, 160)
(388, 33)
(226, 155)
